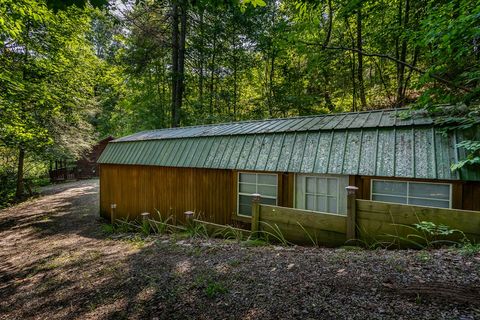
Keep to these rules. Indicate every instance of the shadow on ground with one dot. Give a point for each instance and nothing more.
(56, 263)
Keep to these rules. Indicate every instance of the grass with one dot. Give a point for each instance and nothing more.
(424, 256)
(423, 235)
(234, 262)
(274, 234)
(469, 249)
(211, 288)
(137, 241)
(214, 289)
(255, 243)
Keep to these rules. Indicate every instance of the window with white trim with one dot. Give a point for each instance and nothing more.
(437, 195)
(322, 193)
(249, 183)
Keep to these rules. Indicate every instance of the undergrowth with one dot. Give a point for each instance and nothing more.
(195, 229)
(423, 235)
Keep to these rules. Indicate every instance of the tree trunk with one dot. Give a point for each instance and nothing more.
(212, 74)
(270, 87)
(181, 63)
(175, 69)
(403, 56)
(235, 76)
(361, 84)
(352, 67)
(20, 185)
(201, 58)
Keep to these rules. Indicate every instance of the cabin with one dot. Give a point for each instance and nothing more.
(301, 162)
(84, 168)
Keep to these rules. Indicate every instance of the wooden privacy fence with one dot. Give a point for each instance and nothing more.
(367, 221)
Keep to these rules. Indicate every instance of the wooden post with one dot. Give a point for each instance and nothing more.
(145, 216)
(145, 221)
(189, 215)
(351, 212)
(113, 206)
(255, 211)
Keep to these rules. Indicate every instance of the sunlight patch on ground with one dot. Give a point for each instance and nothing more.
(183, 267)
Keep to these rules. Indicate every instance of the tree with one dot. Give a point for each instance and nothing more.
(48, 73)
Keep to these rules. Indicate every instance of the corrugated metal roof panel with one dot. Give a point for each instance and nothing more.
(387, 119)
(252, 159)
(297, 157)
(368, 152)
(337, 152)
(339, 121)
(404, 153)
(374, 119)
(420, 152)
(286, 152)
(323, 152)
(424, 154)
(347, 121)
(333, 122)
(228, 152)
(263, 155)
(310, 152)
(385, 151)
(352, 152)
(275, 152)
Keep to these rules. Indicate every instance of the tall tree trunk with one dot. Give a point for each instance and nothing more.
(416, 52)
(179, 16)
(20, 185)
(212, 74)
(271, 75)
(175, 69)
(235, 76)
(403, 56)
(270, 87)
(352, 67)
(201, 58)
(361, 84)
(181, 62)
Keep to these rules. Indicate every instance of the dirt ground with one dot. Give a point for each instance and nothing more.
(57, 263)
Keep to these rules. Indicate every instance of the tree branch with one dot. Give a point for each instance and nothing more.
(386, 56)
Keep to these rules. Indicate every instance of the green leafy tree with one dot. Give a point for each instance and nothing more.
(49, 72)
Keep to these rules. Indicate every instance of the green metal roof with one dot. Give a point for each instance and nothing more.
(365, 144)
(335, 121)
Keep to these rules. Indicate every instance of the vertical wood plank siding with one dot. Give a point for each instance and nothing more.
(213, 192)
(136, 189)
(471, 196)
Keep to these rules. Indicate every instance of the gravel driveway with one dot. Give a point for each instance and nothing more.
(57, 263)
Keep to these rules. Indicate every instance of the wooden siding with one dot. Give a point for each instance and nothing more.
(137, 189)
(213, 192)
(471, 196)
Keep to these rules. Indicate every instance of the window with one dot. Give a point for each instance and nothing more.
(323, 193)
(250, 183)
(415, 193)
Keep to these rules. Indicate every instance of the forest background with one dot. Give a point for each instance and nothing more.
(73, 72)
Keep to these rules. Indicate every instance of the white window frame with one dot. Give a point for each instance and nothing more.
(341, 195)
(408, 191)
(256, 189)
(315, 195)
